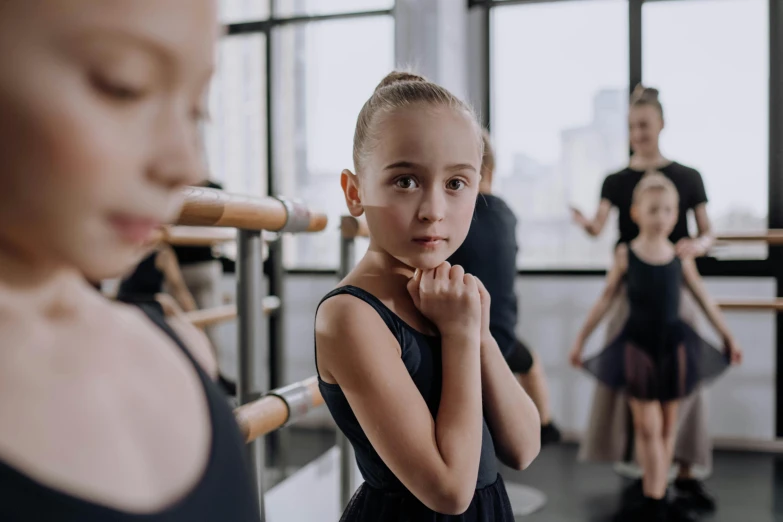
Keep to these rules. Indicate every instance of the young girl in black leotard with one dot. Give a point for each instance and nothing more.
(407, 364)
(606, 438)
(657, 359)
(107, 411)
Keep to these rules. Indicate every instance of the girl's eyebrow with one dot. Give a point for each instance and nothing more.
(402, 165)
(411, 165)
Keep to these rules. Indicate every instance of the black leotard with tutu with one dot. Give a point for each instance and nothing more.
(657, 356)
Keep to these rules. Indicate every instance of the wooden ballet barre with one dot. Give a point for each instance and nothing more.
(771, 237)
(198, 236)
(221, 314)
(215, 208)
(278, 408)
(774, 305)
(352, 227)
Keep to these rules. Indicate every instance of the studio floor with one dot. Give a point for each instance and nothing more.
(748, 486)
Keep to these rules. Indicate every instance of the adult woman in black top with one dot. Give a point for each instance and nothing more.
(609, 410)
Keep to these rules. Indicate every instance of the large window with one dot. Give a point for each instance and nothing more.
(321, 80)
(710, 60)
(326, 57)
(236, 131)
(559, 120)
(559, 93)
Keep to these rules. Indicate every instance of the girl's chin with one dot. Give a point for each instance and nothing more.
(423, 262)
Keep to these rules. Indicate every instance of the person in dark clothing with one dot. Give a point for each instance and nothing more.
(618, 188)
(108, 411)
(657, 358)
(157, 272)
(405, 359)
(490, 253)
(694, 445)
(646, 125)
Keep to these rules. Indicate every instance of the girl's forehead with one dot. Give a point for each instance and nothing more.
(431, 132)
(657, 195)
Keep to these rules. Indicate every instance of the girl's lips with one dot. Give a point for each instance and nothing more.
(133, 229)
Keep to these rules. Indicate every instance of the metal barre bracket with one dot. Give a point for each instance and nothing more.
(297, 398)
(272, 304)
(297, 215)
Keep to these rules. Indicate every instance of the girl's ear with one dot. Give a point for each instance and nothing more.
(350, 184)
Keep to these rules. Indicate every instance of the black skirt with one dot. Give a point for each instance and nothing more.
(489, 504)
(663, 364)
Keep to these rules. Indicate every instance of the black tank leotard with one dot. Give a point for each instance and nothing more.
(224, 493)
(382, 497)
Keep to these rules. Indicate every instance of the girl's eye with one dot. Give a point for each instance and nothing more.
(406, 182)
(455, 184)
(117, 90)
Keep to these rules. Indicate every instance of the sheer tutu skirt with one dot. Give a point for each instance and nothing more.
(489, 504)
(661, 364)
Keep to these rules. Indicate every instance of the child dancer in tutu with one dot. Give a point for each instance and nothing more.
(657, 358)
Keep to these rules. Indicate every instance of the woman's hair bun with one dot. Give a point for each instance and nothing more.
(644, 94)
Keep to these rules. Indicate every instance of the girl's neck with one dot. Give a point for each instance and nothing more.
(387, 279)
(652, 242)
(38, 287)
(378, 261)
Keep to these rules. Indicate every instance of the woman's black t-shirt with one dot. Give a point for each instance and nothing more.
(618, 190)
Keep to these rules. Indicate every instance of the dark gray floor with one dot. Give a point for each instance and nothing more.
(304, 446)
(749, 486)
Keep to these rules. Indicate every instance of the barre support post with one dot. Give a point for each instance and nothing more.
(279, 442)
(251, 321)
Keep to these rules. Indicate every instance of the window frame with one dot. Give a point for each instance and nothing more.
(273, 267)
(266, 27)
(707, 266)
(772, 267)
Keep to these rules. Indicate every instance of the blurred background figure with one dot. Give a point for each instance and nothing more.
(490, 253)
(157, 273)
